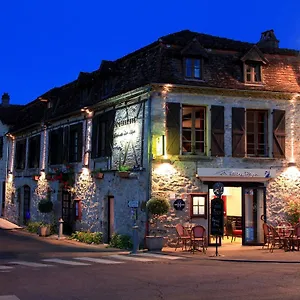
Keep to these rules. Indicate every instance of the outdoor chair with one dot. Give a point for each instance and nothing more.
(283, 229)
(296, 236)
(267, 235)
(233, 231)
(182, 236)
(275, 239)
(198, 238)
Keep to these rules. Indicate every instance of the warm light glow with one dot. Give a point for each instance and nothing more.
(41, 190)
(85, 187)
(291, 173)
(293, 102)
(44, 148)
(164, 169)
(88, 112)
(13, 147)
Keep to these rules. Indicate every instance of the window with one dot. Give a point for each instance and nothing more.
(55, 146)
(250, 133)
(102, 135)
(20, 154)
(75, 143)
(193, 130)
(193, 68)
(257, 132)
(198, 205)
(34, 147)
(252, 72)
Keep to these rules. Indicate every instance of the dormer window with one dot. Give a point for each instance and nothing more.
(193, 68)
(252, 72)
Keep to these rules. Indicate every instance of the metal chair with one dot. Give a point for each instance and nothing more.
(198, 237)
(182, 236)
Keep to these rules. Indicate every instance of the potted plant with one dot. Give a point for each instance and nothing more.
(123, 171)
(45, 206)
(97, 174)
(156, 207)
(292, 210)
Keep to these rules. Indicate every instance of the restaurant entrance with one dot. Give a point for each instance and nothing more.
(244, 213)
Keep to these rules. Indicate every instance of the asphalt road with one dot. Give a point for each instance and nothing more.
(163, 279)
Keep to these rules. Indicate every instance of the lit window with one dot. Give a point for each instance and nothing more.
(198, 205)
(252, 72)
(193, 130)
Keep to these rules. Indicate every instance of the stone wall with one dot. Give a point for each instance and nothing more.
(181, 178)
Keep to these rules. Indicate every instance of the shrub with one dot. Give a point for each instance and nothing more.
(158, 206)
(87, 237)
(292, 211)
(120, 241)
(33, 226)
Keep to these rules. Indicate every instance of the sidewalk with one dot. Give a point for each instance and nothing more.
(239, 253)
(6, 225)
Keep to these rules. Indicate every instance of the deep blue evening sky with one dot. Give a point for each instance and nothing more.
(47, 43)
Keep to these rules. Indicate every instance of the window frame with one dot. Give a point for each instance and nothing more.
(20, 154)
(75, 143)
(205, 205)
(194, 130)
(34, 151)
(256, 132)
(253, 65)
(193, 68)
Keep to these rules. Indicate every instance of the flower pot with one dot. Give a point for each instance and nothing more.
(154, 243)
(99, 175)
(44, 231)
(124, 174)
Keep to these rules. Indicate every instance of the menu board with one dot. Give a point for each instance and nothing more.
(217, 217)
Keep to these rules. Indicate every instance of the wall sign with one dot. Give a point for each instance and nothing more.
(179, 204)
(133, 203)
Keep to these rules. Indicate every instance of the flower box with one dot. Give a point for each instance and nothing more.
(124, 174)
(98, 175)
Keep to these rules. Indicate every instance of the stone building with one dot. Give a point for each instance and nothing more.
(178, 115)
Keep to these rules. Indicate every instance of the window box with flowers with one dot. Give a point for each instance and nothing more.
(123, 171)
(65, 176)
(98, 174)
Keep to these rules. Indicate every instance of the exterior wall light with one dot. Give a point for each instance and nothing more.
(292, 164)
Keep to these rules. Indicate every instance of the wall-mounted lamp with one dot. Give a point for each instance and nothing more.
(292, 164)
(42, 170)
(87, 111)
(160, 145)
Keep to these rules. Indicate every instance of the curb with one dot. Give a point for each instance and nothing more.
(256, 261)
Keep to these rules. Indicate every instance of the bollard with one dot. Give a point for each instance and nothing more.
(60, 228)
(135, 239)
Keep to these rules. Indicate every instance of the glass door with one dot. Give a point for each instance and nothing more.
(254, 208)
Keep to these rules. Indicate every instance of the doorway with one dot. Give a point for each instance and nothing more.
(26, 205)
(110, 217)
(67, 212)
(244, 205)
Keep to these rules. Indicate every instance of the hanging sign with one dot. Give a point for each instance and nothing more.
(179, 204)
(217, 217)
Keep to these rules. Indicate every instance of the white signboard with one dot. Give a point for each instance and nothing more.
(232, 174)
(133, 203)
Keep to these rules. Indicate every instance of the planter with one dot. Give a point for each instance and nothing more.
(124, 174)
(44, 231)
(98, 175)
(154, 243)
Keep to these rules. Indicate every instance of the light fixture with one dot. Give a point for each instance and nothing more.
(9, 172)
(42, 170)
(160, 145)
(292, 164)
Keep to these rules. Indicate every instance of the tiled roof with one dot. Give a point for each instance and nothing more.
(9, 114)
(162, 62)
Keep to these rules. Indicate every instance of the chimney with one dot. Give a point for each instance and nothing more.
(268, 40)
(5, 99)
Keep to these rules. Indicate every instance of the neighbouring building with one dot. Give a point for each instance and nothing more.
(8, 117)
(170, 119)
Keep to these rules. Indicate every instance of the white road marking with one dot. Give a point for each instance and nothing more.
(99, 260)
(132, 258)
(65, 262)
(9, 297)
(29, 264)
(171, 257)
(5, 268)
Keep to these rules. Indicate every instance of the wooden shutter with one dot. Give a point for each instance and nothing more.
(109, 131)
(173, 128)
(95, 124)
(238, 132)
(278, 133)
(217, 130)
